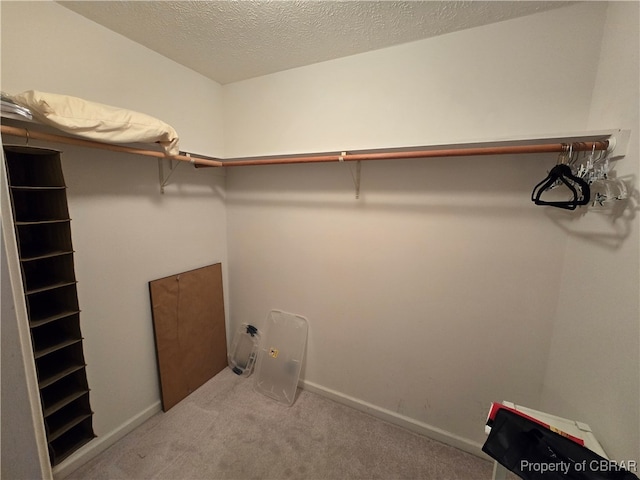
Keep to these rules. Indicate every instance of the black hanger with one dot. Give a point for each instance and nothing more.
(579, 188)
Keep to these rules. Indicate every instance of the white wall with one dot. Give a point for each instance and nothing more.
(436, 292)
(594, 361)
(486, 83)
(125, 233)
(425, 297)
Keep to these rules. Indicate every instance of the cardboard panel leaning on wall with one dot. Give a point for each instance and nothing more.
(189, 330)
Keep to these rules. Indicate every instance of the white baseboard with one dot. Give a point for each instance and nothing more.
(101, 443)
(395, 418)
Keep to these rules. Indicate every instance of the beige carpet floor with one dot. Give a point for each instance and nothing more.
(225, 430)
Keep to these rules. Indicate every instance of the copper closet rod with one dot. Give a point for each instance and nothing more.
(448, 152)
(397, 155)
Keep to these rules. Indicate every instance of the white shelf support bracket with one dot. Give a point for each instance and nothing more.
(354, 176)
(165, 180)
(356, 179)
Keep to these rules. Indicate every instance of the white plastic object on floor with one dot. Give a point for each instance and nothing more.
(280, 356)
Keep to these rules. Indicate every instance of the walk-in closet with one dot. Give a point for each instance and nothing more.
(455, 215)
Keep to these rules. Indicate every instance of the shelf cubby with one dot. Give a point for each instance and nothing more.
(58, 364)
(32, 206)
(63, 392)
(42, 240)
(48, 305)
(56, 335)
(70, 441)
(31, 167)
(64, 419)
(48, 273)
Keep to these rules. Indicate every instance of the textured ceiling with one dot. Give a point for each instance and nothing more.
(229, 41)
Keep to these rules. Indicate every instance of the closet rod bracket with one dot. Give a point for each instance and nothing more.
(162, 179)
(354, 176)
(356, 179)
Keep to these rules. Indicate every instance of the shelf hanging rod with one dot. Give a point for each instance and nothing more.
(599, 145)
(23, 132)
